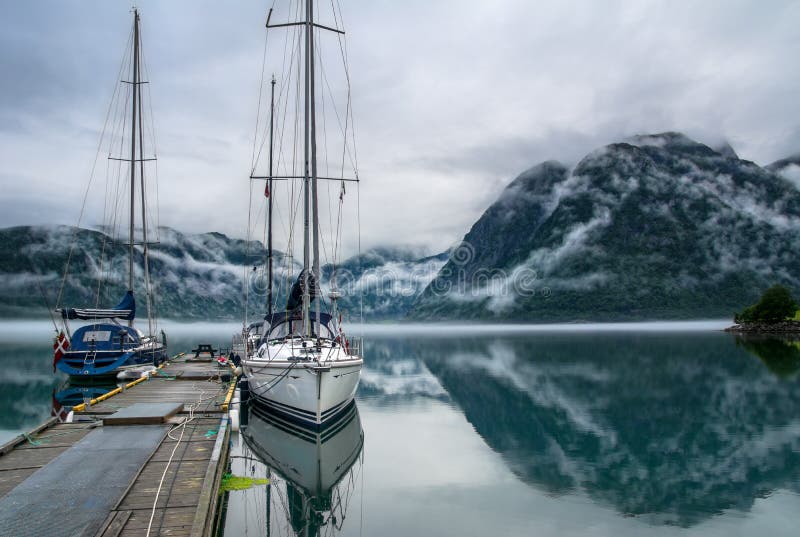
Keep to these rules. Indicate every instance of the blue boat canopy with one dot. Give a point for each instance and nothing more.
(286, 323)
(284, 316)
(126, 310)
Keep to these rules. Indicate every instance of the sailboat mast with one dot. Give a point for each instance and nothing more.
(133, 146)
(306, 178)
(269, 211)
(314, 203)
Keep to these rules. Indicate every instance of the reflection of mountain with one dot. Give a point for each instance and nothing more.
(394, 373)
(672, 428)
(26, 384)
(313, 465)
(780, 355)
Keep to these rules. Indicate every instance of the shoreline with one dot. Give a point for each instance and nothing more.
(783, 327)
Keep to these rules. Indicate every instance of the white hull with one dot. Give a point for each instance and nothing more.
(309, 391)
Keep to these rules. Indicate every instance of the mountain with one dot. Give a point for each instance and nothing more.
(657, 227)
(389, 279)
(783, 164)
(788, 168)
(195, 276)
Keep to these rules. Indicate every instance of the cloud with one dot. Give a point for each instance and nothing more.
(451, 99)
(792, 174)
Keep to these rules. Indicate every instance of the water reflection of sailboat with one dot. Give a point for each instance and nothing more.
(315, 469)
(70, 395)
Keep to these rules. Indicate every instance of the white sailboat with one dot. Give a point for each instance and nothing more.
(298, 361)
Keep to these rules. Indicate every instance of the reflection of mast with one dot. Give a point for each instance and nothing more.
(269, 501)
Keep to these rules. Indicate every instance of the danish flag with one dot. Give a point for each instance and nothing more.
(59, 411)
(60, 346)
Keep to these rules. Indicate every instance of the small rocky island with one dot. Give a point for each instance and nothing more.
(775, 313)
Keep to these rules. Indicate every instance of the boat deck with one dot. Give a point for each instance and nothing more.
(182, 466)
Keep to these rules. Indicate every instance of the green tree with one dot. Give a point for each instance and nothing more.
(775, 305)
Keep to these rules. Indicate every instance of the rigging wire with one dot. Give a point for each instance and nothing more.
(258, 107)
(246, 290)
(288, 141)
(104, 271)
(89, 184)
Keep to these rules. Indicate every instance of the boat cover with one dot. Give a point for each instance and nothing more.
(104, 337)
(126, 310)
(290, 317)
(284, 316)
(296, 293)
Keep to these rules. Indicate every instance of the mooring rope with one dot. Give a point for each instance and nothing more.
(182, 425)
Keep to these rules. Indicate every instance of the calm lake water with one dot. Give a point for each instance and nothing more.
(666, 429)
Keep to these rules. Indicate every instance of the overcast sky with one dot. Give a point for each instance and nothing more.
(452, 99)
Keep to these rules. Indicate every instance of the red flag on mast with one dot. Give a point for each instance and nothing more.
(266, 190)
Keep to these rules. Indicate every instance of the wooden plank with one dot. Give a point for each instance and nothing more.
(143, 414)
(30, 458)
(207, 505)
(174, 519)
(11, 478)
(188, 451)
(117, 521)
(11, 444)
(56, 437)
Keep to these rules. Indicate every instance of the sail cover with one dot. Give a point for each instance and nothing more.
(296, 294)
(126, 310)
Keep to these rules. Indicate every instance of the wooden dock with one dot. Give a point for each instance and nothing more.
(175, 491)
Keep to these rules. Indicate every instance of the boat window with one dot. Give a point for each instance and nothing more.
(96, 335)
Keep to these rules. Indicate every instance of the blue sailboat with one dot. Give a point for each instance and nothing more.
(104, 348)
(105, 345)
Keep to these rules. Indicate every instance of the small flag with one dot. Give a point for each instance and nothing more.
(58, 411)
(266, 190)
(342, 192)
(60, 346)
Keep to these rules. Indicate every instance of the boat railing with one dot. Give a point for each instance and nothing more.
(357, 347)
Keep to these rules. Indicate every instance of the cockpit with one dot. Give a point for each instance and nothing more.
(282, 326)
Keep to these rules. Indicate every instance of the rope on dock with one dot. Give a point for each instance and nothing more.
(31, 441)
(194, 406)
(39, 440)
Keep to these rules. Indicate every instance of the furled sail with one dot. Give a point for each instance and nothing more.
(296, 294)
